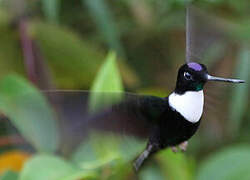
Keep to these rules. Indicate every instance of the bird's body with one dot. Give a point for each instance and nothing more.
(174, 127)
(171, 120)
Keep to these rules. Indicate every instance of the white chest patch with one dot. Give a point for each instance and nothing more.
(189, 104)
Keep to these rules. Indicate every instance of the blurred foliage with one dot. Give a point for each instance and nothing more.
(235, 163)
(9, 175)
(240, 93)
(51, 9)
(105, 22)
(69, 42)
(51, 167)
(29, 112)
(107, 80)
(177, 166)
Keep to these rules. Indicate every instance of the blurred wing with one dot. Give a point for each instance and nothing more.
(211, 40)
(207, 36)
(206, 42)
(132, 115)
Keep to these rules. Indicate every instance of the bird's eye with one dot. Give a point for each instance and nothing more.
(187, 75)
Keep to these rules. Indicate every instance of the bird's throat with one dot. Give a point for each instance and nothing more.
(199, 87)
(189, 105)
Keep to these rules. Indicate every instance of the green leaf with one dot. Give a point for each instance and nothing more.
(9, 175)
(72, 59)
(95, 152)
(49, 167)
(107, 80)
(29, 111)
(229, 164)
(177, 166)
(105, 22)
(239, 99)
(51, 9)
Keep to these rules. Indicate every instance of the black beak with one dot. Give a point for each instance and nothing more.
(213, 78)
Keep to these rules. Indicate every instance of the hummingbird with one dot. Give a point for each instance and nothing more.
(180, 113)
(164, 122)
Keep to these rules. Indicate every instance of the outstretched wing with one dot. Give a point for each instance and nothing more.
(132, 115)
(211, 39)
(74, 118)
(207, 36)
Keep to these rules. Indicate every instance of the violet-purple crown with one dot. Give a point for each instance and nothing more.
(195, 66)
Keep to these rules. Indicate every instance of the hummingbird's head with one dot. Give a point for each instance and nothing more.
(193, 76)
